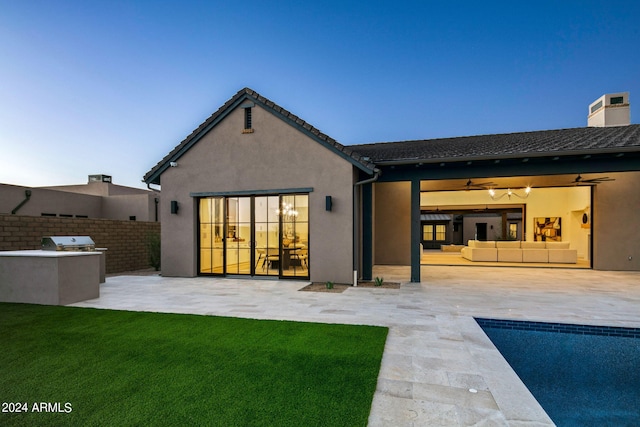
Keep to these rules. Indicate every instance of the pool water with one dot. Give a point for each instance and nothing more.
(581, 375)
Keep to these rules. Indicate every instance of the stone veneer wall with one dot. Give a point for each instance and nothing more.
(126, 241)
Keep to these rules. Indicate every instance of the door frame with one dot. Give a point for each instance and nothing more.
(252, 240)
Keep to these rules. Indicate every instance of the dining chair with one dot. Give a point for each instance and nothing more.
(302, 255)
(272, 255)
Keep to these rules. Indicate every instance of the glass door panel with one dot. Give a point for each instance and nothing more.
(266, 236)
(238, 241)
(211, 212)
(206, 236)
(295, 235)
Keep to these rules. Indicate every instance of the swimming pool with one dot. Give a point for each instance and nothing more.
(581, 375)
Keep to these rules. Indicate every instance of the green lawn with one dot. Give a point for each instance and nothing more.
(132, 368)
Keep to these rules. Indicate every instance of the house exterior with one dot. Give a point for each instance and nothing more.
(256, 191)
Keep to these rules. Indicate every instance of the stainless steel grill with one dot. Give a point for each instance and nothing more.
(68, 243)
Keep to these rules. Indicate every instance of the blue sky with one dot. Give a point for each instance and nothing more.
(112, 86)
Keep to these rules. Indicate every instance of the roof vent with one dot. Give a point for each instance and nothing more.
(610, 110)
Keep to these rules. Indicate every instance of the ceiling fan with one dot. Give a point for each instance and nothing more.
(592, 181)
(470, 185)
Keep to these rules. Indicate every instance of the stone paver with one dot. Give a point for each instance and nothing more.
(438, 367)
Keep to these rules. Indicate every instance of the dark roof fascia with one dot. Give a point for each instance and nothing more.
(153, 176)
(518, 156)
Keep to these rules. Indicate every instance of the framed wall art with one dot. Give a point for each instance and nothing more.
(547, 229)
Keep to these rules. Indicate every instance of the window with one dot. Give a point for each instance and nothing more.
(434, 232)
(596, 107)
(427, 232)
(617, 100)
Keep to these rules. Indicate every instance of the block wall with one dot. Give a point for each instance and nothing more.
(126, 241)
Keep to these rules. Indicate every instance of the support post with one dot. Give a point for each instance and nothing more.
(415, 231)
(367, 231)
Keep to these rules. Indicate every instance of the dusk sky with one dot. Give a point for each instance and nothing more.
(89, 87)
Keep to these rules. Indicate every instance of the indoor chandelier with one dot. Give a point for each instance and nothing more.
(509, 193)
(287, 211)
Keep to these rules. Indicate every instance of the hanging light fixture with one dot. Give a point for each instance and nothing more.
(509, 193)
(287, 211)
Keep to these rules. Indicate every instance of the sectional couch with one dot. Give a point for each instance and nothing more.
(516, 251)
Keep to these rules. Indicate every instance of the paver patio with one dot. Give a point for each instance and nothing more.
(438, 367)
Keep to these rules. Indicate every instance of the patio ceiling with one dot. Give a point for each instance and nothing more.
(505, 182)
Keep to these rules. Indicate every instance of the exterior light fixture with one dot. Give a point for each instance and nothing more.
(509, 193)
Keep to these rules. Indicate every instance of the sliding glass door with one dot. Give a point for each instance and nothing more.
(254, 235)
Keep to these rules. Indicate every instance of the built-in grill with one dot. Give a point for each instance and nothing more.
(68, 243)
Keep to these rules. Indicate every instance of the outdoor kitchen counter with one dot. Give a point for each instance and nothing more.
(49, 277)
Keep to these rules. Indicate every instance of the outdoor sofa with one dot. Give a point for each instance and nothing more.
(517, 251)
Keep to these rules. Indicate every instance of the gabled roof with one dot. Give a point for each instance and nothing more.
(563, 142)
(246, 94)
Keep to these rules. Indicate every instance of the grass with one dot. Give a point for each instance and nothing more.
(133, 368)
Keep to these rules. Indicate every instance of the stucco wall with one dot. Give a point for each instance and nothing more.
(275, 156)
(392, 223)
(45, 201)
(122, 207)
(616, 235)
(58, 202)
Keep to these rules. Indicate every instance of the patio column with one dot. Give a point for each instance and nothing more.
(415, 230)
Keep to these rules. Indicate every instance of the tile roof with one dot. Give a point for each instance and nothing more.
(153, 176)
(512, 145)
(576, 141)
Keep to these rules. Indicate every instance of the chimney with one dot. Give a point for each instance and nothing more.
(610, 110)
(99, 178)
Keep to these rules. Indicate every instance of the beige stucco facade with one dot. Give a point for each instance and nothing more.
(616, 237)
(275, 156)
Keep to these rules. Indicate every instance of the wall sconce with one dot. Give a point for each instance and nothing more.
(173, 164)
(174, 206)
(509, 193)
(328, 203)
